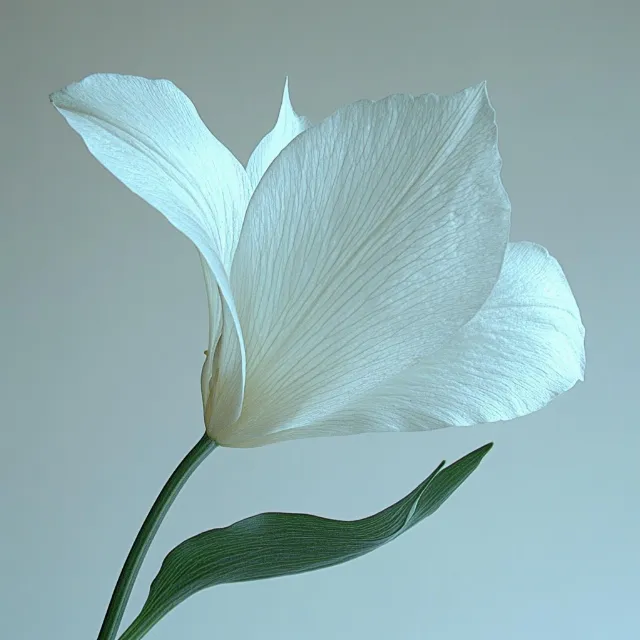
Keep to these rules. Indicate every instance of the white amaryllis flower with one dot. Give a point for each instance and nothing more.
(358, 271)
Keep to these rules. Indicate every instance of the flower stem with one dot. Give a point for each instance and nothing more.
(150, 526)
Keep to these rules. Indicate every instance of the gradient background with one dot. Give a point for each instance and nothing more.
(104, 322)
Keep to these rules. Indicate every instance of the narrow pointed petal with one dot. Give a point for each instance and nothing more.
(288, 126)
(524, 347)
(149, 135)
(371, 240)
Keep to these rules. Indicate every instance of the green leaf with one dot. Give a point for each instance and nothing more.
(279, 544)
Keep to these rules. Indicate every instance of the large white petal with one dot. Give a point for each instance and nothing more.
(523, 348)
(149, 135)
(288, 126)
(371, 239)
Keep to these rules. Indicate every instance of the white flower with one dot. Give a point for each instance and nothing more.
(358, 271)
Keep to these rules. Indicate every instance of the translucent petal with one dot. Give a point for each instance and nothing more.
(524, 347)
(149, 135)
(288, 126)
(371, 240)
(209, 368)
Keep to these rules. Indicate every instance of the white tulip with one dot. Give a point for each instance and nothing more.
(358, 271)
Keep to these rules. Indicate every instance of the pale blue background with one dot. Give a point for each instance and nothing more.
(103, 325)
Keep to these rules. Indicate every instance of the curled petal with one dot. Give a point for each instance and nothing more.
(149, 135)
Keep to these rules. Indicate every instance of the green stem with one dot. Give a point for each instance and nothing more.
(150, 526)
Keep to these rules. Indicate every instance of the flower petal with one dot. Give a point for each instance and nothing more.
(371, 239)
(149, 135)
(288, 126)
(524, 347)
(209, 367)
